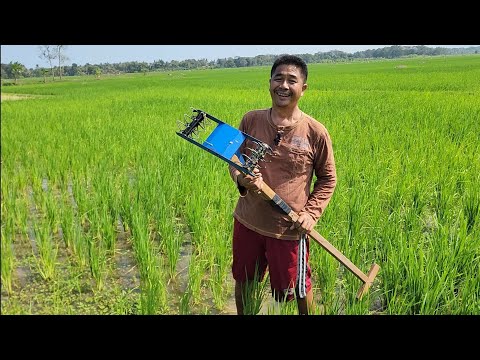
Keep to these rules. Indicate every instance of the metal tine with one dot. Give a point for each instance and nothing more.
(269, 152)
(249, 159)
(253, 150)
(180, 125)
(246, 156)
(204, 123)
(200, 128)
(190, 118)
(194, 132)
(256, 151)
(261, 144)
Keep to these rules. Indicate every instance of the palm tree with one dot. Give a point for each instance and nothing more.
(16, 70)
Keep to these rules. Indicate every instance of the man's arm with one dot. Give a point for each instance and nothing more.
(234, 174)
(324, 186)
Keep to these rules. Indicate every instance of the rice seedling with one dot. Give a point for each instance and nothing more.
(254, 293)
(46, 260)
(7, 258)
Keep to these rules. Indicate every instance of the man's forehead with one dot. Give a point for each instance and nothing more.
(288, 69)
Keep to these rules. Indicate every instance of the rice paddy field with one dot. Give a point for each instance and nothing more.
(106, 210)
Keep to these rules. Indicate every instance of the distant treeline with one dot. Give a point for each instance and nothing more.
(17, 70)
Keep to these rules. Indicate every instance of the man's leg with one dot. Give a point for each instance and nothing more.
(290, 272)
(306, 305)
(239, 297)
(249, 263)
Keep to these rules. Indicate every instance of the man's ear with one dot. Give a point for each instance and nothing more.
(304, 87)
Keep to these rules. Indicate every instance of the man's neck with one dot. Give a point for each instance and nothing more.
(285, 116)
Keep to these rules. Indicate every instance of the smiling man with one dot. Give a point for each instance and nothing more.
(263, 236)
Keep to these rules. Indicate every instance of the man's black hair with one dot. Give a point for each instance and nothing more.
(291, 60)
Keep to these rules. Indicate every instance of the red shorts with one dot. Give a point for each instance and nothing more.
(287, 262)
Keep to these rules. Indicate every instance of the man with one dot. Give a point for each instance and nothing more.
(263, 235)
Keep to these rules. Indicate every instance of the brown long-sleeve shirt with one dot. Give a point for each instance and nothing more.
(304, 149)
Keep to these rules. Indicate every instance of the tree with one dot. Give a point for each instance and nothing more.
(61, 58)
(47, 52)
(16, 70)
(44, 73)
(4, 74)
(98, 72)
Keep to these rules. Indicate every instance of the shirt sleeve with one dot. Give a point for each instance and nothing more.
(326, 178)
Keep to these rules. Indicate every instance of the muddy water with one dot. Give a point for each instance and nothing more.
(126, 267)
(179, 285)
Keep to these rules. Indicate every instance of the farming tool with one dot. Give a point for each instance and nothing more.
(225, 142)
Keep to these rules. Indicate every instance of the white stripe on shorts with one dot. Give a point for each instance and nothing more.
(302, 267)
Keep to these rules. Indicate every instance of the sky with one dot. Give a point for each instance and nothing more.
(28, 55)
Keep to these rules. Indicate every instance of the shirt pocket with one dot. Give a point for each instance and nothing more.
(300, 160)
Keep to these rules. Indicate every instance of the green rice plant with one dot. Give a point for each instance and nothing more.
(471, 210)
(50, 209)
(284, 307)
(218, 235)
(170, 233)
(125, 303)
(185, 299)
(97, 256)
(107, 226)
(153, 298)
(21, 216)
(254, 293)
(441, 201)
(75, 223)
(7, 258)
(196, 272)
(67, 222)
(81, 245)
(219, 282)
(46, 260)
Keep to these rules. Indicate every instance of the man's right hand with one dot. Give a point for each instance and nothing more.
(251, 183)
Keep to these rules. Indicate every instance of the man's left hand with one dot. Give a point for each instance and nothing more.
(304, 224)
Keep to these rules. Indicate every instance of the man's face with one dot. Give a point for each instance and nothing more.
(286, 85)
